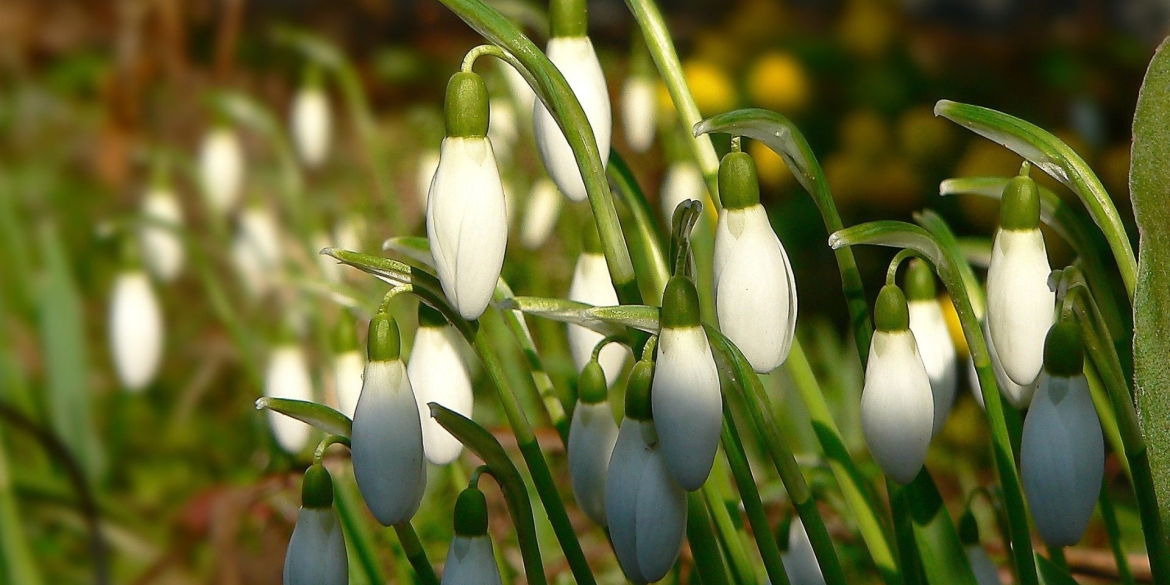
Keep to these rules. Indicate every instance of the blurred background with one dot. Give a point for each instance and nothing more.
(185, 477)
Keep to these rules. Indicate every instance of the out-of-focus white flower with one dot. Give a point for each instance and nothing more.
(519, 88)
(592, 434)
(312, 125)
(985, 570)
(897, 405)
(540, 216)
(316, 552)
(221, 169)
(288, 377)
(687, 404)
(470, 560)
(348, 232)
(755, 291)
(800, 562)
(256, 250)
(591, 284)
(932, 337)
(438, 374)
(577, 61)
(162, 247)
(682, 181)
(136, 330)
(428, 163)
(639, 111)
(330, 268)
(386, 443)
(503, 129)
(348, 370)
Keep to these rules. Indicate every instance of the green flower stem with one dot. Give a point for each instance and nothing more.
(1108, 417)
(357, 534)
(649, 257)
(416, 554)
(704, 548)
(1113, 530)
(946, 259)
(904, 534)
(742, 569)
(553, 407)
(752, 505)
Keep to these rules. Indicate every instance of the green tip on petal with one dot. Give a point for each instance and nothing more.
(920, 281)
(1064, 352)
(968, 529)
(638, 405)
(471, 513)
(1020, 207)
(430, 317)
(590, 240)
(344, 335)
(383, 342)
(568, 18)
(680, 303)
(317, 487)
(591, 386)
(890, 313)
(466, 109)
(739, 185)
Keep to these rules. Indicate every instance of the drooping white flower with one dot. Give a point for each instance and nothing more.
(437, 374)
(1018, 396)
(800, 562)
(755, 291)
(592, 434)
(221, 169)
(540, 216)
(687, 403)
(986, 573)
(428, 163)
(311, 122)
(591, 284)
(256, 250)
(639, 111)
(467, 211)
(929, 326)
(682, 181)
(316, 552)
(577, 61)
(469, 559)
(386, 443)
(348, 370)
(1062, 451)
(162, 247)
(136, 330)
(288, 377)
(897, 405)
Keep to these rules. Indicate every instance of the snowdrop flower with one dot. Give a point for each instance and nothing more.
(162, 247)
(256, 250)
(645, 508)
(576, 59)
(755, 292)
(986, 573)
(1062, 452)
(348, 232)
(800, 562)
(503, 129)
(1019, 302)
(592, 434)
(467, 212)
(288, 377)
(428, 163)
(316, 553)
(437, 374)
(311, 121)
(540, 217)
(348, 366)
(387, 441)
(688, 407)
(929, 327)
(470, 560)
(1018, 396)
(591, 284)
(682, 181)
(639, 105)
(897, 406)
(221, 169)
(136, 330)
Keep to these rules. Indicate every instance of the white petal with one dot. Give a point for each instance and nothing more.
(136, 330)
(386, 442)
(661, 518)
(470, 562)
(687, 404)
(162, 247)
(348, 369)
(316, 551)
(428, 163)
(801, 562)
(592, 435)
(288, 377)
(1019, 302)
(540, 217)
(1062, 458)
(897, 406)
(577, 61)
(985, 570)
(591, 284)
(622, 482)
(260, 230)
(755, 292)
(938, 355)
(639, 111)
(312, 125)
(682, 181)
(973, 383)
(467, 223)
(438, 374)
(256, 279)
(1018, 396)
(221, 169)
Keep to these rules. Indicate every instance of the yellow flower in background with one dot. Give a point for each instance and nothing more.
(712, 87)
(954, 327)
(923, 137)
(867, 28)
(777, 81)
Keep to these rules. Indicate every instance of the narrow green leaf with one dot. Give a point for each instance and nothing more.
(1050, 574)
(317, 415)
(16, 560)
(943, 559)
(604, 320)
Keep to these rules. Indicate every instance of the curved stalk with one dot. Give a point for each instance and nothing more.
(416, 554)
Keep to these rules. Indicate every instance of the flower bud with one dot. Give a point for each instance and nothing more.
(136, 330)
(688, 407)
(933, 339)
(592, 434)
(577, 61)
(348, 366)
(540, 216)
(682, 181)
(1016, 395)
(311, 123)
(386, 443)
(800, 562)
(591, 284)
(437, 374)
(639, 111)
(256, 250)
(470, 559)
(221, 169)
(897, 406)
(162, 247)
(316, 552)
(755, 292)
(288, 377)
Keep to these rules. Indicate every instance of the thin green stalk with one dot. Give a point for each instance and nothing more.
(416, 554)
(649, 257)
(1113, 531)
(553, 406)
(904, 534)
(357, 535)
(704, 548)
(1056, 557)
(733, 550)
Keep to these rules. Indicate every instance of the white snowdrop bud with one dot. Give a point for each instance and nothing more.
(682, 181)
(540, 217)
(576, 59)
(386, 443)
(1062, 451)
(162, 247)
(591, 284)
(755, 291)
(1019, 302)
(1018, 396)
(800, 562)
(503, 129)
(221, 169)
(470, 560)
(933, 339)
(136, 330)
(467, 211)
(428, 163)
(639, 111)
(687, 403)
(897, 406)
(348, 366)
(288, 377)
(592, 434)
(437, 374)
(312, 124)
(316, 552)
(256, 250)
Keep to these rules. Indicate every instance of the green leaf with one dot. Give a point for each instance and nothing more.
(943, 559)
(604, 320)
(317, 415)
(1050, 574)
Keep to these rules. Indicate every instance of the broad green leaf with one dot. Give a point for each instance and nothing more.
(317, 415)
(604, 320)
(943, 559)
